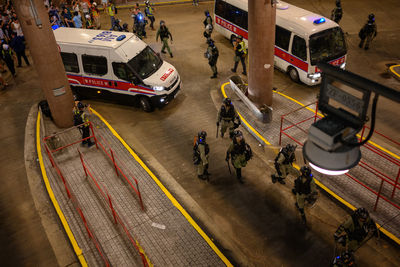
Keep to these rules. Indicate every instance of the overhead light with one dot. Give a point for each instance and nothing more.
(334, 162)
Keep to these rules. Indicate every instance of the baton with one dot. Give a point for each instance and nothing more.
(229, 167)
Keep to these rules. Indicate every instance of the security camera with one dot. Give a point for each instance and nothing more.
(332, 146)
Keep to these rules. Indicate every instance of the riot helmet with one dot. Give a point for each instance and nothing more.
(87, 16)
(162, 23)
(371, 17)
(202, 136)
(361, 213)
(210, 42)
(306, 171)
(147, 3)
(338, 4)
(238, 134)
(206, 13)
(209, 27)
(227, 101)
(80, 105)
(290, 148)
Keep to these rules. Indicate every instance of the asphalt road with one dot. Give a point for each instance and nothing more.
(258, 216)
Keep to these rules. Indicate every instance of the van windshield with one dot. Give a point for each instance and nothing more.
(327, 45)
(145, 63)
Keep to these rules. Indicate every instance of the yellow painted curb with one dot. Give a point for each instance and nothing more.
(391, 68)
(64, 222)
(166, 192)
(321, 185)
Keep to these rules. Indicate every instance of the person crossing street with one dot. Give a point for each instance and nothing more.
(164, 34)
(227, 117)
(283, 164)
(239, 152)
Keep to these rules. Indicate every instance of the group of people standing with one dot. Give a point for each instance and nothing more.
(12, 47)
(367, 33)
(238, 152)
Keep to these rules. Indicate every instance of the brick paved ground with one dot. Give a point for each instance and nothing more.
(179, 244)
(342, 185)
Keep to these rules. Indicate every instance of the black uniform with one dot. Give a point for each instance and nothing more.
(367, 33)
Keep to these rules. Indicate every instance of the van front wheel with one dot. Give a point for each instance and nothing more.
(293, 74)
(145, 104)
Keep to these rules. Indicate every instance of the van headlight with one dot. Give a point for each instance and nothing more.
(343, 66)
(158, 88)
(314, 75)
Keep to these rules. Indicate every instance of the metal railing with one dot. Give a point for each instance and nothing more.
(107, 201)
(384, 157)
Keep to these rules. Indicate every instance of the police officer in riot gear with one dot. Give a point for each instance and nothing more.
(164, 34)
(337, 12)
(368, 32)
(201, 151)
(239, 152)
(352, 233)
(283, 164)
(212, 56)
(305, 190)
(208, 19)
(227, 117)
(239, 47)
(81, 118)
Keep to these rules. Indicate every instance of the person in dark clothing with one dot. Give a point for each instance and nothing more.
(8, 59)
(337, 12)
(164, 34)
(212, 56)
(368, 32)
(239, 152)
(17, 44)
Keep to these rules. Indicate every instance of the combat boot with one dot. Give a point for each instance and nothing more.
(281, 180)
(273, 177)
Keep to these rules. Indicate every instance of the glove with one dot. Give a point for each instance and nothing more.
(217, 123)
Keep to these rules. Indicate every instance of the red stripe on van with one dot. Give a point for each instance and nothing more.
(291, 59)
(236, 30)
(335, 62)
(89, 81)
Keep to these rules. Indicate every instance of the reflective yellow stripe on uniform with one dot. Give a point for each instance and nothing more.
(242, 47)
(110, 10)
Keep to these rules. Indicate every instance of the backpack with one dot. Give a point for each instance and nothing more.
(78, 119)
(248, 154)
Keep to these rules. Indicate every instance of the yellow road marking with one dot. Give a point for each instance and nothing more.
(393, 71)
(320, 184)
(64, 222)
(166, 192)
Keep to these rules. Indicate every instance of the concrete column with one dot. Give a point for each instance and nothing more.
(45, 53)
(261, 22)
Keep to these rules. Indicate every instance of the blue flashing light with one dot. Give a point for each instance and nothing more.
(121, 37)
(140, 16)
(319, 21)
(54, 27)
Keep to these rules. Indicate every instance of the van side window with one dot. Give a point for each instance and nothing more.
(282, 38)
(122, 71)
(231, 13)
(299, 48)
(70, 61)
(95, 65)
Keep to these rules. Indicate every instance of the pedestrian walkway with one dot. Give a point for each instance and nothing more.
(355, 189)
(164, 232)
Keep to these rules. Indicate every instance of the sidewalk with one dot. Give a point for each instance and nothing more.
(165, 232)
(340, 187)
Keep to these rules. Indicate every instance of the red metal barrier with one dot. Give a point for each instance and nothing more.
(116, 162)
(385, 157)
(77, 207)
(108, 202)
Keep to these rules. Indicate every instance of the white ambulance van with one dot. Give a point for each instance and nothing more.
(116, 66)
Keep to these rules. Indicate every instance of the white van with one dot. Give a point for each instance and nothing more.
(302, 38)
(114, 65)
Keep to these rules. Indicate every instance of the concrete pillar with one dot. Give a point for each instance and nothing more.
(261, 21)
(47, 60)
